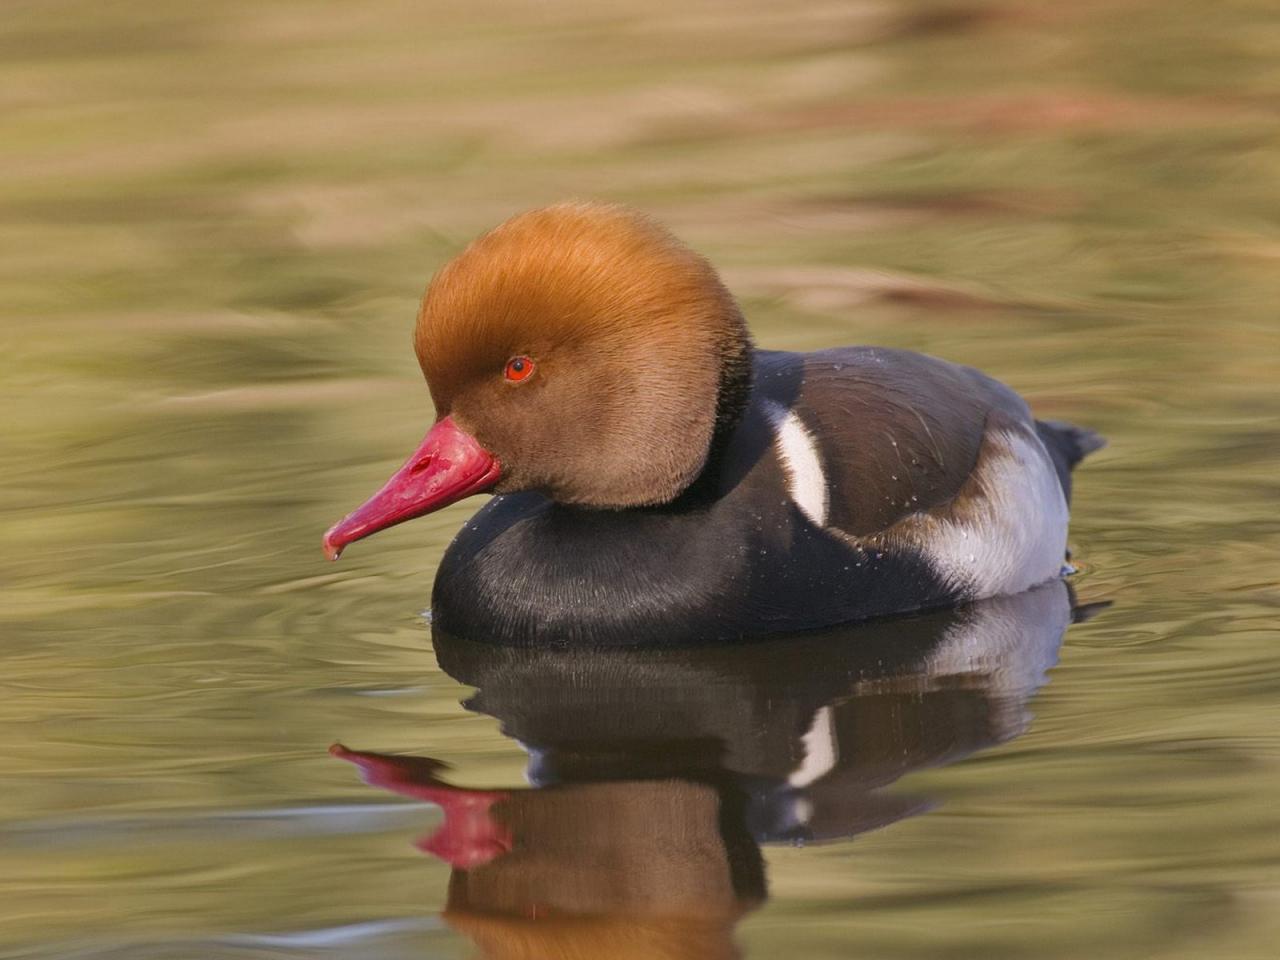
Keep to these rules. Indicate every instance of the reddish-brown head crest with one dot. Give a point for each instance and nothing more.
(584, 346)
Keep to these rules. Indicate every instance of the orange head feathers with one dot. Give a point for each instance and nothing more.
(579, 350)
(620, 332)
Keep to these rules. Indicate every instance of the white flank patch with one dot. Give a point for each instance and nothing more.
(819, 750)
(1017, 537)
(799, 454)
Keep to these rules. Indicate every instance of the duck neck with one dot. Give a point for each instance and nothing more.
(732, 398)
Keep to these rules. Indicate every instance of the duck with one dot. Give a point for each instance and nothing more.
(658, 479)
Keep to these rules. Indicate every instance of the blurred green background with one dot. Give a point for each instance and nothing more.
(217, 219)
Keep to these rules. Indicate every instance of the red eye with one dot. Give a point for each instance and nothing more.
(518, 368)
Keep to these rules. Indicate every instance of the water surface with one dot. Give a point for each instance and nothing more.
(217, 222)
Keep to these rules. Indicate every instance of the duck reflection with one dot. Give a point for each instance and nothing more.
(656, 775)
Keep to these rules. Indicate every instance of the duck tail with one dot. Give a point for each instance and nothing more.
(1067, 445)
(1072, 442)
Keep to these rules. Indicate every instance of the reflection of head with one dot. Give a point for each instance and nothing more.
(625, 869)
(661, 868)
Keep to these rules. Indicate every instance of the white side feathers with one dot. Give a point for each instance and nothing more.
(1016, 536)
(799, 455)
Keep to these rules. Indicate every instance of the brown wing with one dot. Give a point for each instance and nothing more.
(898, 432)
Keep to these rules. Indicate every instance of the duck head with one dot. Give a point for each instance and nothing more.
(579, 350)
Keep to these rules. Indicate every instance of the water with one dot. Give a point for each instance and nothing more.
(217, 222)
